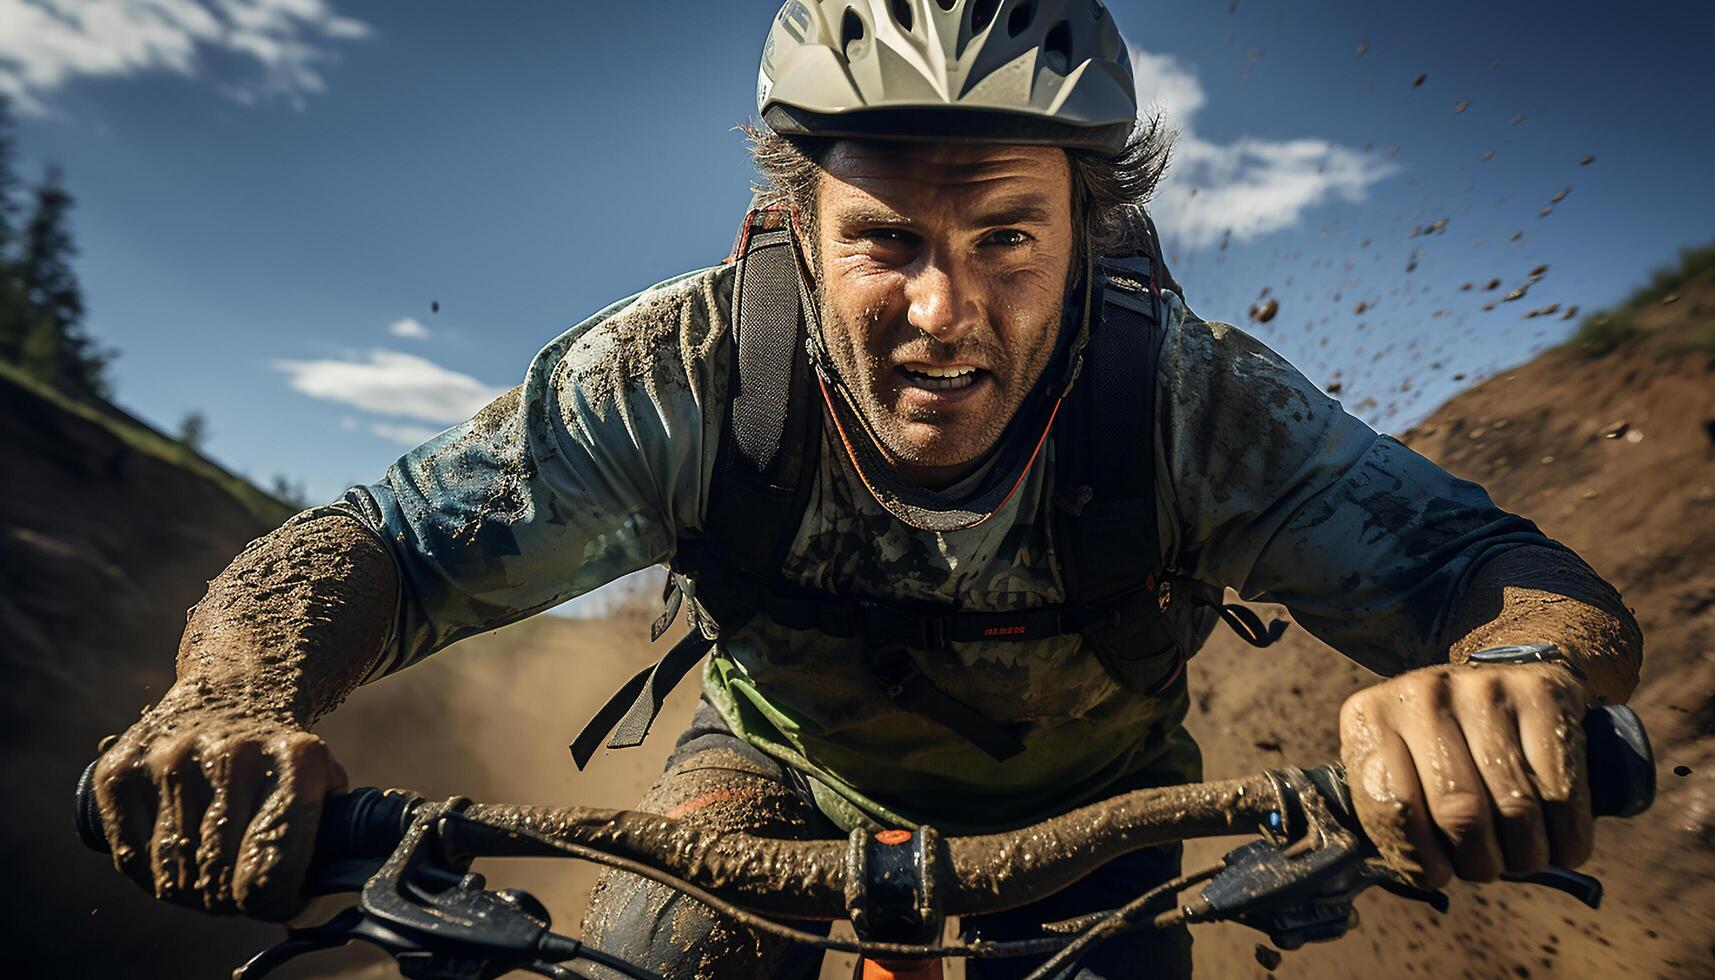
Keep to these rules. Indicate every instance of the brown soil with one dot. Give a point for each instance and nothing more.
(102, 548)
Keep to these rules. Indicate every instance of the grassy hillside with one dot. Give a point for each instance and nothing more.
(1676, 300)
(144, 438)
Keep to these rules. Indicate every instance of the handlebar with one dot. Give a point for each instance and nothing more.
(978, 874)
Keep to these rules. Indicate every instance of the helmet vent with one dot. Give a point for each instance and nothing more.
(851, 30)
(1021, 17)
(947, 4)
(902, 14)
(982, 14)
(1057, 48)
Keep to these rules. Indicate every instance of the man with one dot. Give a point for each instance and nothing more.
(967, 179)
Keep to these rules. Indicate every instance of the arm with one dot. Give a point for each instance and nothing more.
(587, 471)
(1270, 487)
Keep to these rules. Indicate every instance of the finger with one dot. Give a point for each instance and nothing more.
(125, 797)
(1553, 743)
(1457, 798)
(1387, 794)
(274, 854)
(182, 793)
(235, 775)
(1490, 726)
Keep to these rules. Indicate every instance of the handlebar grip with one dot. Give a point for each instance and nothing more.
(363, 823)
(86, 815)
(1620, 763)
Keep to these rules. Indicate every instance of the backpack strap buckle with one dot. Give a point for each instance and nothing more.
(884, 626)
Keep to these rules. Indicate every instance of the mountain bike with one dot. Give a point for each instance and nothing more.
(408, 861)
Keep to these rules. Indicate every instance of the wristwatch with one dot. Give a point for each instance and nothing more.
(1526, 653)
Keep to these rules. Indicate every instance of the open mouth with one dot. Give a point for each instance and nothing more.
(935, 377)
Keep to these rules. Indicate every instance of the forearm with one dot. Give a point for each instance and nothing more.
(291, 626)
(1545, 595)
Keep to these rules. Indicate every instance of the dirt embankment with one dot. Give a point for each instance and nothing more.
(1615, 456)
(103, 545)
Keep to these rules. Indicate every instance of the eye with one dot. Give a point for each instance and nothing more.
(1008, 238)
(891, 236)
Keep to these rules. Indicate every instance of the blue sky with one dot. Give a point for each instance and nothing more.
(272, 193)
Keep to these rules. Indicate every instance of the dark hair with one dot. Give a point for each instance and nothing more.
(1108, 192)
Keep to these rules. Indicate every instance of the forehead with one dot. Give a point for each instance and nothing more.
(920, 176)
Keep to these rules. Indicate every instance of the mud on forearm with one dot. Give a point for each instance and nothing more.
(1547, 595)
(292, 625)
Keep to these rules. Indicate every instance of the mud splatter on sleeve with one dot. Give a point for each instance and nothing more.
(587, 471)
(1268, 486)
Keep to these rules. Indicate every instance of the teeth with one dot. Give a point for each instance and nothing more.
(931, 371)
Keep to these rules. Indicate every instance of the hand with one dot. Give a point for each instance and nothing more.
(209, 808)
(1471, 770)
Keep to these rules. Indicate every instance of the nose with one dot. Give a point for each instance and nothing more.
(941, 301)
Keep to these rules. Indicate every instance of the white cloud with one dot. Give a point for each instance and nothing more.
(409, 328)
(392, 383)
(45, 44)
(1249, 187)
(405, 433)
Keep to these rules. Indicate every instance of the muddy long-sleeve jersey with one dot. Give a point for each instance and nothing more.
(602, 459)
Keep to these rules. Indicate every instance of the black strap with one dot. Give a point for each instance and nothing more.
(1105, 532)
(1249, 626)
(632, 709)
(767, 452)
(905, 684)
(772, 438)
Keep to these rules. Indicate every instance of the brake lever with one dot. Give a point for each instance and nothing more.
(1298, 884)
(1580, 886)
(435, 920)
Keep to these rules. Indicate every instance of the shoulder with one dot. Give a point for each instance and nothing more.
(663, 342)
(1209, 365)
(683, 315)
(1238, 421)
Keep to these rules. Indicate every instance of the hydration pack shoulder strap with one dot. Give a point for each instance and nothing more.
(763, 471)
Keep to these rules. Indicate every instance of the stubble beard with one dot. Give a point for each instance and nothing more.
(926, 437)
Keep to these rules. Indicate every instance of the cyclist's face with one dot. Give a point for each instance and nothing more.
(942, 273)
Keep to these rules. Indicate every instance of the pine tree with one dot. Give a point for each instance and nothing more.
(193, 430)
(13, 325)
(53, 301)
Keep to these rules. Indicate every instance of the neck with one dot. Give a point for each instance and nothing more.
(934, 477)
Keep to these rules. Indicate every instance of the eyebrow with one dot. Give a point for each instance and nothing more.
(869, 214)
(1015, 213)
(1022, 212)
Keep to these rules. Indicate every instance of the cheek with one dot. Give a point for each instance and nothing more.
(1030, 317)
(860, 309)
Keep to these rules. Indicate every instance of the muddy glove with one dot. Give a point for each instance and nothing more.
(212, 799)
(210, 808)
